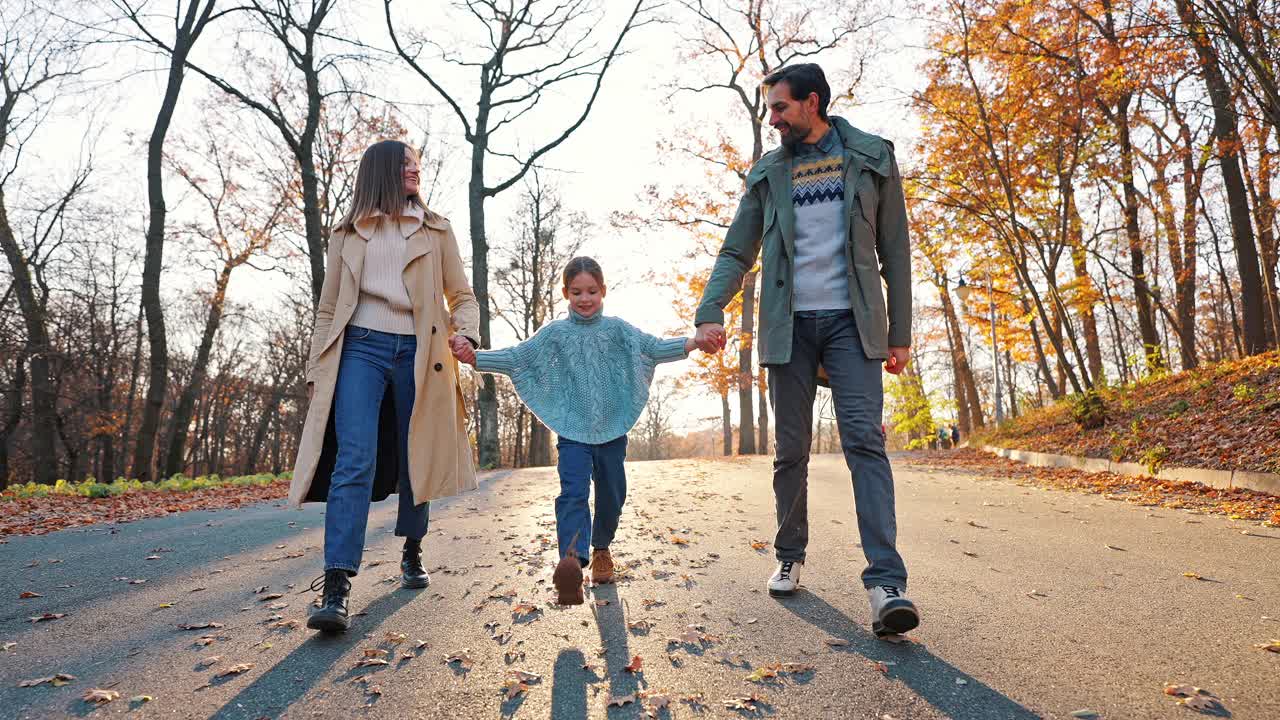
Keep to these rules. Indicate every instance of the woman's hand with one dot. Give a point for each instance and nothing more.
(462, 350)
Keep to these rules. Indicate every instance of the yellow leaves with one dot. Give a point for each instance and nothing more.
(759, 545)
(634, 666)
(1271, 646)
(26, 595)
(98, 696)
(678, 540)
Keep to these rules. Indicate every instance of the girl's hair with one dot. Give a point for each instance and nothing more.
(380, 183)
(583, 264)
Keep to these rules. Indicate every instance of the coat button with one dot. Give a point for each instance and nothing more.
(780, 283)
(439, 367)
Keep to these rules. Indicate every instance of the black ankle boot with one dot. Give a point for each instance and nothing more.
(331, 616)
(413, 575)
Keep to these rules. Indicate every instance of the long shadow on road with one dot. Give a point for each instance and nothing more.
(287, 681)
(930, 677)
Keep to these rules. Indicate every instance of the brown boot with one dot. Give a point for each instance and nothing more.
(568, 581)
(601, 566)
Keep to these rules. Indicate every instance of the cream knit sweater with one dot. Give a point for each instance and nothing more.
(384, 301)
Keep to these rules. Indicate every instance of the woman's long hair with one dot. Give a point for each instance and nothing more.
(380, 183)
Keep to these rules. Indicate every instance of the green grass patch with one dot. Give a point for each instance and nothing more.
(92, 488)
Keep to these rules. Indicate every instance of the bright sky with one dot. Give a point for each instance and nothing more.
(600, 170)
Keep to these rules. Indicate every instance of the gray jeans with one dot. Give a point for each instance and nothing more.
(830, 337)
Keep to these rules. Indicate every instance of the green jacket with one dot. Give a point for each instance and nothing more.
(877, 239)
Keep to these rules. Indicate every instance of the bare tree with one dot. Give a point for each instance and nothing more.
(240, 227)
(531, 49)
(188, 25)
(40, 56)
(296, 28)
(654, 431)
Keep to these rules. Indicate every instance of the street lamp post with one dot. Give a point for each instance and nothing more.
(963, 290)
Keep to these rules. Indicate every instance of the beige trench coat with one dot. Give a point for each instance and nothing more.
(439, 452)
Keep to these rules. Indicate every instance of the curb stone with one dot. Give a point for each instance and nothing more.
(1222, 479)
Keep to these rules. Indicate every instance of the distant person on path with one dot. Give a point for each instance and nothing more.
(944, 438)
(386, 410)
(828, 210)
(587, 378)
(955, 436)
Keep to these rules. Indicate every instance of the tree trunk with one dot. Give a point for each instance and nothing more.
(173, 463)
(38, 348)
(269, 411)
(539, 443)
(1227, 137)
(487, 397)
(746, 413)
(13, 417)
(1075, 238)
(762, 446)
(726, 425)
(1265, 216)
(1153, 358)
(153, 263)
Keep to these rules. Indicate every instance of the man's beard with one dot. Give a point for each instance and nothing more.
(791, 136)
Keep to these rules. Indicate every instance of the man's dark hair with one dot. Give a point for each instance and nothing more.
(804, 79)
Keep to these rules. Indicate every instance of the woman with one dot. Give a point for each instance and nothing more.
(386, 412)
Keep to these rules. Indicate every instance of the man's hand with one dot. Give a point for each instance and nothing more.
(462, 350)
(710, 338)
(898, 359)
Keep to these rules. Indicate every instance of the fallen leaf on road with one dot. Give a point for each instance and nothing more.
(759, 545)
(641, 625)
(47, 616)
(164, 606)
(677, 540)
(634, 666)
(1273, 646)
(1036, 594)
(205, 640)
(1193, 576)
(153, 557)
(524, 677)
(209, 662)
(462, 658)
(55, 680)
(512, 688)
(651, 604)
(140, 699)
(524, 609)
(396, 638)
(6, 647)
(260, 590)
(750, 703)
(622, 700)
(137, 581)
(97, 696)
(764, 672)
(961, 681)
(235, 670)
(879, 666)
(272, 596)
(974, 523)
(372, 662)
(200, 626)
(1113, 547)
(1085, 715)
(836, 642)
(970, 554)
(28, 594)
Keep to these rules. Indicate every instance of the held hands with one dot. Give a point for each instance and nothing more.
(898, 359)
(710, 338)
(462, 350)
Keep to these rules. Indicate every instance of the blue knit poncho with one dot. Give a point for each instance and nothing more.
(586, 378)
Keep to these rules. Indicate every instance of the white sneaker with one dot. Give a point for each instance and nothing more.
(891, 612)
(785, 579)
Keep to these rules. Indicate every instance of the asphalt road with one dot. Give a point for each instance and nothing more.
(1036, 603)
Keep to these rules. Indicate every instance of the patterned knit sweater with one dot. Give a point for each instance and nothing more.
(586, 378)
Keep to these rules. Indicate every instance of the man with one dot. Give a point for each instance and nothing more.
(827, 209)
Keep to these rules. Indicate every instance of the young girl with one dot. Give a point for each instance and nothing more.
(587, 378)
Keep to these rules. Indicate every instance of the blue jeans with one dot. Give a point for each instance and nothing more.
(371, 360)
(579, 464)
(830, 337)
